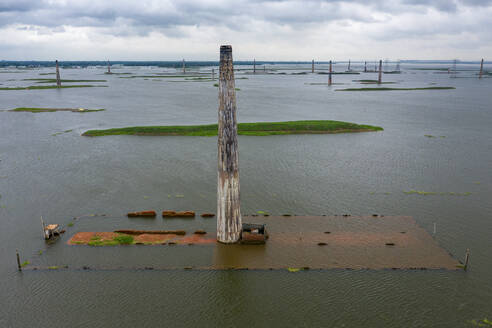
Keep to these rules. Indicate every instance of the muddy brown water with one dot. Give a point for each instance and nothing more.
(65, 176)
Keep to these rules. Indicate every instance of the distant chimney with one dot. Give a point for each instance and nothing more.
(329, 74)
(58, 80)
(481, 70)
(380, 76)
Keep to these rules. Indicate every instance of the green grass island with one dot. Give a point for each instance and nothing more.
(249, 129)
(372, 82)
(43, 87)
(396, 89)
(54, 80)
(47, 110)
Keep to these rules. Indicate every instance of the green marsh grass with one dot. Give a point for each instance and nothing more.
(54, 80)
(396, 89)
(48, 110)
(44, 87)
(118, 240)
(250, 129)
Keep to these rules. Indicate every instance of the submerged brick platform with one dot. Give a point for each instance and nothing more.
(315, 242)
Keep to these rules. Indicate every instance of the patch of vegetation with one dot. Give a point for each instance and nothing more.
(430, 69)
(372, 82)
(431, 136)
(24, 264)
(102, 243)
(118, 240)
(54, 80)
(156, 76)
(251, 129)
(425, 193)
(323, 83)
(339, 73)
(482, 323)
(396, 89)
(217, 85)
(298, 269)
(58, 133)
(70, 224)
(45, 110)
(111, 73)
(198, 79)
(53, 267)
(124, 239)
(43, 87)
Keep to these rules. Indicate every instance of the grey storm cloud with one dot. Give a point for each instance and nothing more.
(236, 14)
(157, 28)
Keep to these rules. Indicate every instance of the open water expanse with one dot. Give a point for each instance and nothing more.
(48, 169)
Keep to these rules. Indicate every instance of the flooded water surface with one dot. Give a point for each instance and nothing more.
(432, 162)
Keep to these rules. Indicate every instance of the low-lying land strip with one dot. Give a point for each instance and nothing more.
(54, 80)
(43, 87)
(396, 89)
(339, 73)
(372, 82)
(158, 76)
(46, 110)
(139, 237)
(251, 129)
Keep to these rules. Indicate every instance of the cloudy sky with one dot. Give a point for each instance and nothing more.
(266, 30)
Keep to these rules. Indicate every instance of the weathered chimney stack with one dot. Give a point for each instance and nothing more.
(481, 70)
(380, 75)
(329, 74)
(229, 223)
(58, 80)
